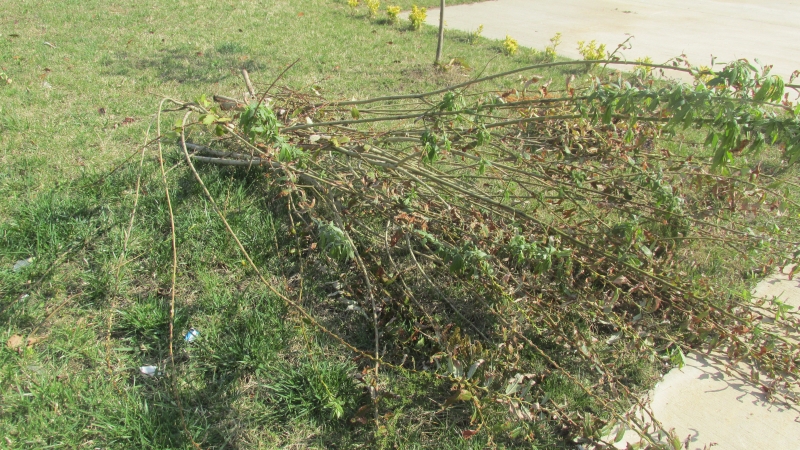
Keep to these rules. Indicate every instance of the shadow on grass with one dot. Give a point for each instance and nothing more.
(187, 65)
(248, 379)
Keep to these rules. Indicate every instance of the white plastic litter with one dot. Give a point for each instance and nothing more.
(22, 263)
(149, 370)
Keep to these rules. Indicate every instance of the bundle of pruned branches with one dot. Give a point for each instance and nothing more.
(500, 239)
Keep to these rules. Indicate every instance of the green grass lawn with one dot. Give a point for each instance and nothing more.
(87, 78)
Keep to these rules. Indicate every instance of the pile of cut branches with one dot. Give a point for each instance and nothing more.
(501, 239)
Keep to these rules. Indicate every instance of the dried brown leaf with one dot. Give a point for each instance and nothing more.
(14, 342)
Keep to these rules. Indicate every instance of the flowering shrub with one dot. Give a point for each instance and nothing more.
(373, 6)
(510, 45)
(392, 12)
(550, 50)
(591, 51)
(417, 16)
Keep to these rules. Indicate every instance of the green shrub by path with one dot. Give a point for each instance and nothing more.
(405, 5)
(417, 17)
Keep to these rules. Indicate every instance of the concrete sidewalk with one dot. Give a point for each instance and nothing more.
(727, 29)
(706, 404)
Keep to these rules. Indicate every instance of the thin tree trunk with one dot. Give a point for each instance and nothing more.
(441, 33)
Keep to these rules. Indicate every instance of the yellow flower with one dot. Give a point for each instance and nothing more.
(417, 16)
(373, 6)
(510, 45)
(392, 12)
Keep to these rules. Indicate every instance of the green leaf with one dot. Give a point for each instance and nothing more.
(482, 166)
(620, 434)
(202, 101)
(461, 396)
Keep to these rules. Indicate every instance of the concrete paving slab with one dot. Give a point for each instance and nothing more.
(780, 287)
(727, 29)
(706, 405)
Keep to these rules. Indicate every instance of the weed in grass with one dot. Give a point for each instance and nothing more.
(322, 391)
(393, 13)
(372, 7)
(333, 242)
(510, 46)
(647, 70)
(417, 17)
(591, 51)
(550, 50)
(475, 35)
(353, 4)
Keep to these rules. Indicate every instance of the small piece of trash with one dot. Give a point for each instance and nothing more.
(149, 370)
(47, 85)
(17, 342)
(49, 44)
(191, 335)
(23, 263)
(14, 342)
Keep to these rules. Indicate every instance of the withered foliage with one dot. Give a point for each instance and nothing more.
(509, 240)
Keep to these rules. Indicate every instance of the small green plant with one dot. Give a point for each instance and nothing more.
(373, 6)
(592, 51)
(321, 391)
(520, 250)
(433, 149)
(417, 17)
(452, 101)
(510, 46)
(393, 12)
(644, 70)
(334, 242)
(704, 74)
(146, 317)
(259, 121)
(550, 50)
(467, 260)
(5, 79)
(290, 153)
(473, 36)
(539, 258)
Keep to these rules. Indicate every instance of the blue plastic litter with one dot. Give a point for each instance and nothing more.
(191, 335)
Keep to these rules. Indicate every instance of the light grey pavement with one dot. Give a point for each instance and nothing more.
(703, 402)
(727, 29)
